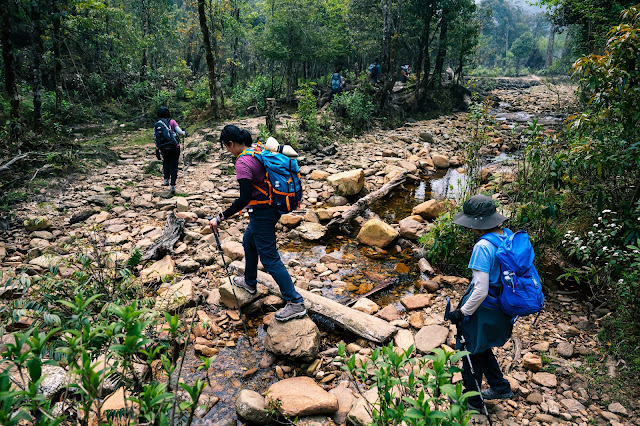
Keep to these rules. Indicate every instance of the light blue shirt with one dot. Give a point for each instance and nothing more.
(483, 259)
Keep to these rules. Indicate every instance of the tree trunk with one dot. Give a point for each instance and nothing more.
(290, 77)
(390, 32)
(552, 35)
(423, 51)
(172, 232)
(209, 56)
(9, 73)
(271, 116)
(442, 48)
(145, 31)
(233, 72)
(566, 48)
(57, 61)
(37, 65)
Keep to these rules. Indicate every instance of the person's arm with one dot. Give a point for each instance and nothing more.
(479, 293)
(241, 202)
(176, 128)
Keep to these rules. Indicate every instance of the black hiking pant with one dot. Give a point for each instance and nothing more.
(170, 160)
(484, 364)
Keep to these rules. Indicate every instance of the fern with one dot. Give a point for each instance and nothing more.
(135, 258)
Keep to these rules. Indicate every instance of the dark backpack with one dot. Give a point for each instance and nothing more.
(374, 69)
(521, 287)
(165, 138)
(336, 81)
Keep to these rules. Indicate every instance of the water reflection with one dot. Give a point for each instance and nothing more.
(451, 185)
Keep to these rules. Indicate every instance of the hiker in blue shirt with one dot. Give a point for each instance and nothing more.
(336, 83)
(374, 71)
(479, 318)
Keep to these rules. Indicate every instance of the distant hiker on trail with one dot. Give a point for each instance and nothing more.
(167, 146)
(374, 71)
(479, 318)
(259, 239)
(336, 83)
(405, 71)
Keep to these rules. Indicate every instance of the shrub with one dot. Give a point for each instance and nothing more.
(254, 94)
(354, 109)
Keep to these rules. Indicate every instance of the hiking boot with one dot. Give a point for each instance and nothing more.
(166, 182)
(491, 394)
(240, 283)
(172, 189)
(477, 407)
(291, 311)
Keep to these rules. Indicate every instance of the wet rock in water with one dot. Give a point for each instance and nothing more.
(301, 396)
(411, 229)
(346, 398)
(403, 339)
(233, 250)
(366, 305)
(157, 271)
(251, 406)
(267, 360)
(429, 210)
(176, 297)
(360, 414)
(545, 379)
(309, 231)
(431, 337)
(425, 266)
(290, 220)
(565, 349)
(205, 350)
(440, 161)
(377, 233)
(418, 301)
(389, 313)
(347, 183)
(532, 362)
(37, 223)
(298, 338)
(430, 285)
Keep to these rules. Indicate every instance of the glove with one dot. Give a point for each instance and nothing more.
(456, 316)
(186, 135)
(158, 156)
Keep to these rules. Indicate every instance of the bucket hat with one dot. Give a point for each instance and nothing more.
(479, 212)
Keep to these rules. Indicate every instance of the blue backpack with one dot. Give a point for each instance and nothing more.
(521, 287)
(336, 81)
(283, 179)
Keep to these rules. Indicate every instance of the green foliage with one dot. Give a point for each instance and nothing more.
(256, 92)
(307, 115)
(412, 390)
(446, 243)
(354, 109)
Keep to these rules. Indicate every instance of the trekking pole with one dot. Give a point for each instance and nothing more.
(447, 313)
(233, 288)
(184, 165)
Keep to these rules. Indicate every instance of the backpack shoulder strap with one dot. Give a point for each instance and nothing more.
(495, 239)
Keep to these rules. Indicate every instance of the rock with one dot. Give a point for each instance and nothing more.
(251, 406)
(417, 320)
(360, 414)
(347, 183)
(207, 186)
(377, 233)
(54, 378)
(337, 200)
(37, 223)
(572, 405)
(403, 339)
(103, 200)
(565, 349)
(298, 338)
(182, 204)
(366, 305)
(188, 266)
(541, 347)
(319, 175)
(81, 216)
(205, 350)
(310, 231)
(157, 271)
(233, 250)
(267, 360)
(47, 260)
(425, 266)
(430, 337)
(388, 313)
(545, 379)
(411, 229)
(228, 299)
(617, 408)
(430, 285)
(346, 398)
(532, 362)
(301, 396)
(429, 210)
(418, 301)
(427, 137)
(440, 161)
(290, 220)
(175, 298)
(115, 403)
(544, 418)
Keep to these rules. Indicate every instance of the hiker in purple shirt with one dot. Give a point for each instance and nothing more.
(169, 152)
(259, 239)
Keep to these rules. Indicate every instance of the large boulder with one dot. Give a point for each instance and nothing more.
(360, 414)
(301, 396)
(250, 405)
(298, 338)
(157, 271)
(411, 229)
(176, 297)
(440, 161)
(347, 183)
(346, 398)
(233, 249)
(377, 233)
(429, 210)
(230, 294)
(430, 337)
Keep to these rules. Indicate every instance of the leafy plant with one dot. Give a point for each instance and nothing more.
(354, 109)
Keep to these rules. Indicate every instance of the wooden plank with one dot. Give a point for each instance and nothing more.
(364, 325)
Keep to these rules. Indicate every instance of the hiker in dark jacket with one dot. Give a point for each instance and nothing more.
(259, 239)
(170, 152)
(479, 318)
(374, 71)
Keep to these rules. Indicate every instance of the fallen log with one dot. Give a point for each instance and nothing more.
(342, 222)
(173, 231)
(378, 288)
(517, 349)
(8, 164)
(364, 325)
